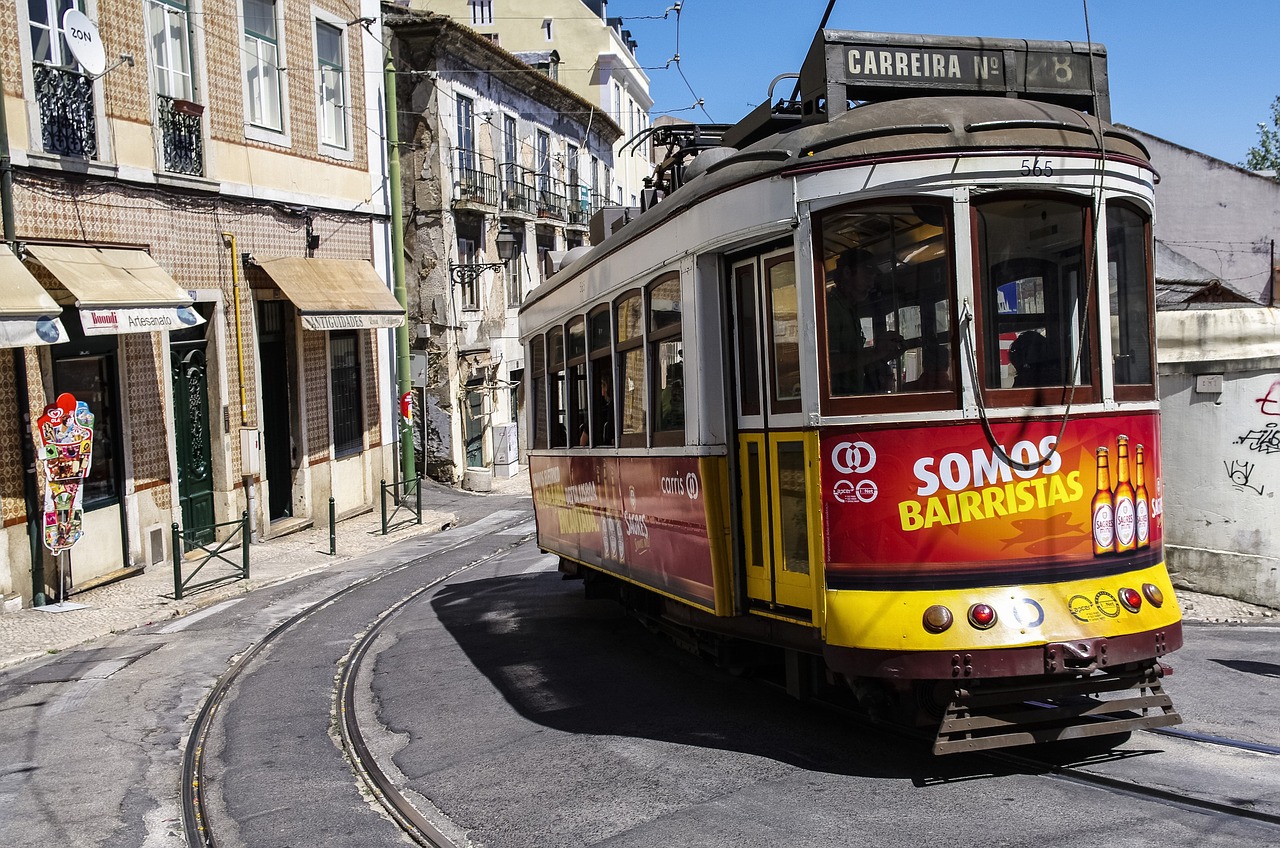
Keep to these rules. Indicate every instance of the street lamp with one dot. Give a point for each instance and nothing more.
(463, 274)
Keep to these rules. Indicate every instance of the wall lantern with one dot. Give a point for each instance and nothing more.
(507, 244)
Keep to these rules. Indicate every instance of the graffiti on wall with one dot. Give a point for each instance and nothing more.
(1265, 441)
(1270, 402)
(1241, 473)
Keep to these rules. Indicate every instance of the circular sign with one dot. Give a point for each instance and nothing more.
(84, 41)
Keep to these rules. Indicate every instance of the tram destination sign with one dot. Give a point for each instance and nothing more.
(845, 65)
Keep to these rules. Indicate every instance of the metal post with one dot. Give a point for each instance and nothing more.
(177, 562)
(417, 487)
(384, 507)
(244, 544)
(395, 200)
(333, 529)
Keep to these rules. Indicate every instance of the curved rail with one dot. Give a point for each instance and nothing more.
(195, 825)
(404, 813)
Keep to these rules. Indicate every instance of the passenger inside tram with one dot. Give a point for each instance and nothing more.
(860, 364)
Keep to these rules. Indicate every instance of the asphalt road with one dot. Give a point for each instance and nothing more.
(521, 714)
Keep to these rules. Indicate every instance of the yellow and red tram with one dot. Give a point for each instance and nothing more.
(876, 386)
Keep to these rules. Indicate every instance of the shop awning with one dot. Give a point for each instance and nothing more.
(28, 315)
(335, 294)
(117, 290)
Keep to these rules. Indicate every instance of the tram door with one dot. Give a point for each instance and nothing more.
(773, 463)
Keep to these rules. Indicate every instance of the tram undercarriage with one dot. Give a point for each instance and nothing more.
(1080, 696)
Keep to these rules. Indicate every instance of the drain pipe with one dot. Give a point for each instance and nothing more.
(30, 485)
(246, 443)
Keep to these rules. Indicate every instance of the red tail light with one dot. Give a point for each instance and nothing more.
(1130, 599)
(982, 616)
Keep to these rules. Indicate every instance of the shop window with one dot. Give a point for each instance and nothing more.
(92, 379)
(345, 393)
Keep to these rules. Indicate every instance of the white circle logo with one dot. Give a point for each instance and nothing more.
(843, 491)
(691, 486)
(866, 491)
(853, 457)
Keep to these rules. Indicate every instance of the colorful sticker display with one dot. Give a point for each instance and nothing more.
(64, 449)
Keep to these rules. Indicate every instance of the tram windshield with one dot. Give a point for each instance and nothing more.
(887, 301)
(1031, 266)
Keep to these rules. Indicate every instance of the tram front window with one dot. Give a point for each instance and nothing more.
(887, 300)
(1031, 266)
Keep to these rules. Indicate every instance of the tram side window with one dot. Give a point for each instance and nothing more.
(537, 390)
(631, 373)
(576, 388)
(667, 357)
(748, 322)
(1128, 279)
(600, 341)
(556, 389)
(887, 300)
(780, 281)
(1031, 262)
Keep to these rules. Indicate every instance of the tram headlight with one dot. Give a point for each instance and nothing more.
(1130, 599)
(1154, 595)
(982, 616)
(937, 618)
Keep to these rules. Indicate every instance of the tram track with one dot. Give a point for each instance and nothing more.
(197, 828)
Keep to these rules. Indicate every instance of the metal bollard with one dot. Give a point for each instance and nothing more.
(417, 485)
(384, 507)
(333, 529)
(244, 544)
(177, 562)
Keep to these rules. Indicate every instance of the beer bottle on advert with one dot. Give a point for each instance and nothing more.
(1142, 503)
(1103, 510)
(1126, 519)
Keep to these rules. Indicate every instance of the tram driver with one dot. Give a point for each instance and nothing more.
(858, 365)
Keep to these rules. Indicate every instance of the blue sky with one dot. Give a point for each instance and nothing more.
(1200, 74)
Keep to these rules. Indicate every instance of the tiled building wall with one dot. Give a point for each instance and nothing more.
(373, 392)
(184, 235)
(12, 508)
(223, 38)
(315, 373)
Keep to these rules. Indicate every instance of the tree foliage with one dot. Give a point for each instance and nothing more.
(1265, 155)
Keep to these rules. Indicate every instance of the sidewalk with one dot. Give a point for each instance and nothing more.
(148, 597)
(142, 600)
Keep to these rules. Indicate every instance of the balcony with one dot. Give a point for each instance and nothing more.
(180, 135)
(475, 180)
(551, 200)
(519, 194)
(68, 123)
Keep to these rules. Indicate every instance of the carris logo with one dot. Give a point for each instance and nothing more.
(688, 485)
(853, 457)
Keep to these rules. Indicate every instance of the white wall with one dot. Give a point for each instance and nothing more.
(1222, 451)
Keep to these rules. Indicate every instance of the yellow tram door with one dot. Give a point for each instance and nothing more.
(775, 470)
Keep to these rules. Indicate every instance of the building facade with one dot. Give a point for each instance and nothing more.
(496, 159)
(589, 53)
(1218, 344)
(208, 214)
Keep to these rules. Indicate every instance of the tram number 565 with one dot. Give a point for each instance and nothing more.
(1037, 167)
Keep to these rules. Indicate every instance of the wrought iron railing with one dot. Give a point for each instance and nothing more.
(552, 202)
(400, 492)
(579, 204)
(180, 135)
(68, 121)
(476, 180)
(518, 191)
(600, 201)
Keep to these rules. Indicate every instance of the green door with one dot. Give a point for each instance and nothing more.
(191, 424)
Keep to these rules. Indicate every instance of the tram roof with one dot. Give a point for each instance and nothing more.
(916, 127)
